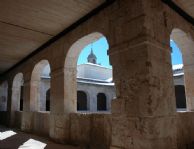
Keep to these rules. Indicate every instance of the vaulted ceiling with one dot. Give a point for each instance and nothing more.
(27, 24)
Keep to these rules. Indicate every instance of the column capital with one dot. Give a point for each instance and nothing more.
(137, 43)
(57, 72)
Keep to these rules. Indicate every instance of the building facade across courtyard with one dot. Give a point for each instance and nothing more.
(95, 87)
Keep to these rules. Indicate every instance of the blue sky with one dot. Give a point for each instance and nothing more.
(176, 53)
(100, 48)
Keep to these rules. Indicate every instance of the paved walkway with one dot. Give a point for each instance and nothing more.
(20, 138)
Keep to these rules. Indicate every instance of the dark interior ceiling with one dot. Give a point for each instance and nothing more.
(27, 26)
(186, 5)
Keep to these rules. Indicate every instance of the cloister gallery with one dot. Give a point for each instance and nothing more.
(35, 33)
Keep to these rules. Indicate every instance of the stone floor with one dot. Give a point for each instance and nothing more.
(17, 140)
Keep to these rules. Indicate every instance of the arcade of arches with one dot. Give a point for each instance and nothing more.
(143, 115)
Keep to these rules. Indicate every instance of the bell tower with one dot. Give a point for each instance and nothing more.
(92, 58)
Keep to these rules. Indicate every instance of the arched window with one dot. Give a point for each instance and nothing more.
(48, 100)
(182, 46)
(101, 102)
(180, 97)
(93, 73)
(81, 101)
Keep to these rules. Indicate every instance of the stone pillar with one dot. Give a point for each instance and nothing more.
(143, 115)
(35, 95)
(31, 95)
(28, 106)
(93, 100)
(186, 43)
(63, 91)
(43, 91)
(63, 102)
(189, 86)
(110, 97)
(15, 103)
(16, 98)
(9, 105)
(144, 111)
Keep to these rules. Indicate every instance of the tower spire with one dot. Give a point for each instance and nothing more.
(92, 57)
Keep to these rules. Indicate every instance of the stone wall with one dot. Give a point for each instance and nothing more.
(18, 119)
(3, 117)
(94, 130)
(185, 130)
(88, 130)
(41, 123)
(91, 130)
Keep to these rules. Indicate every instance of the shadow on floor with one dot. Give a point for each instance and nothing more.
(15, 141)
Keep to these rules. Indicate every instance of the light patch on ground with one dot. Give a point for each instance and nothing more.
(6, 134)
(33, 144)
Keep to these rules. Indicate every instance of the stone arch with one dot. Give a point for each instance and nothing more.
(76, 48)
(70, 66)
(101, 102)
(37, 89)
(82, 101)
(17, 92)
(186, 44)
(3, 95)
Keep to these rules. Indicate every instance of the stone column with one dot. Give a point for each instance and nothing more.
(63, 91)
(189, 86)
(16, 98)
(14, 102)
(35, 95)
(93, 100)
(109, 100)
(28, 106)
(186, 43)
(143, 115)
(9, 106)
(144, 111)
(63, 102)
